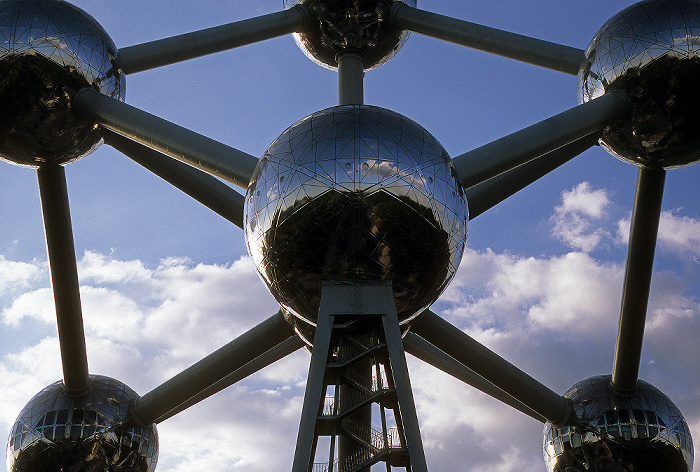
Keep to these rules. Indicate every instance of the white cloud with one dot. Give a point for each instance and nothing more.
(555, 317)
(677, 234)
(16, 275)
(512, 294)
(573, 220)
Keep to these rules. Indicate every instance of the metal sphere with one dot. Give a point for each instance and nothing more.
(47, 48)
(350, 26)
(651, 51)
(86, 433)
(643, 432)
(355, 194)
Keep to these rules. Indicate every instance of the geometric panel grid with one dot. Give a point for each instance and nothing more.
(355, 193)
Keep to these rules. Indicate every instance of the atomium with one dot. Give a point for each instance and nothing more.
(362, 204)
(343, 26)
(88, 432)
(651, 51)
(49, 48)
(358, 194)
(640, 432)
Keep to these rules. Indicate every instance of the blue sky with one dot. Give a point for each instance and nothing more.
(165, 281)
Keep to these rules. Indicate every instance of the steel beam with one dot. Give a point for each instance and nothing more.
(186, 46)
(350, 79)
(283, 349)
(404, 392)
(640, 261)
(206, 189)
(212, 369)
(509, 152)
(502, 43)
(501, 373)
(315, 387)
(186, 146)
(491, 192)
(64, 278)
(423, 350)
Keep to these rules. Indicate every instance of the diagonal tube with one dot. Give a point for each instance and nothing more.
(210, 370)
(64, 278)
(640, 261)
(186, 46)
(491, 192)
(502, 43)
(186, 146)
(423, 350)
(509, 152)
(501, 373)
(283, 349)
(204, 188)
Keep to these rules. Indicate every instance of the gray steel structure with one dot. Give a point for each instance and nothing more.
(351, 305)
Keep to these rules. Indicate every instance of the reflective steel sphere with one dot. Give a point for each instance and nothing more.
(341, 25)
(651, 51)
(355, 194)
(87, 433)
(46, 48)
(644, 432)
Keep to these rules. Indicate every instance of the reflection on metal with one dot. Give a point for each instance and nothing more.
(358, 367)
(357, 194)
(651, 51)
(339, 26)
(642, 432)
(91, 432)
(46, 46)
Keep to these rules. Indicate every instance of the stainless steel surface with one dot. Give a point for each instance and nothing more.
(46, 46)
(185, 145)
(425, 351)
(507, 153)
(356, 194)
(638, 273)
(205, 188)
(91, 432)
(202, 375)
(643, 432)
(493, 191)
(484, 38)
(64, 277)
(650, 50)
(350, 79)
(486, 363)
(141, 57)
(339, 26)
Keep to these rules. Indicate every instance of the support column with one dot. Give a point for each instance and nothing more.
(358, 329)
(350, 79)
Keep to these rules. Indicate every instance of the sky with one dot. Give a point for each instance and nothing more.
(164, 281)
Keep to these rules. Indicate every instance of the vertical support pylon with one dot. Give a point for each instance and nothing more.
(357, 374)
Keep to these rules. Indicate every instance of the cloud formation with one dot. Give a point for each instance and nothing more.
(554, 316)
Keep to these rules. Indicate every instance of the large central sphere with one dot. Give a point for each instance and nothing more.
(87, 433)
(355, 194)
(651, 51)
(47, 48)
(643, 432)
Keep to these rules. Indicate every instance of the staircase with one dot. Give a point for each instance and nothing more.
(360, 376)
